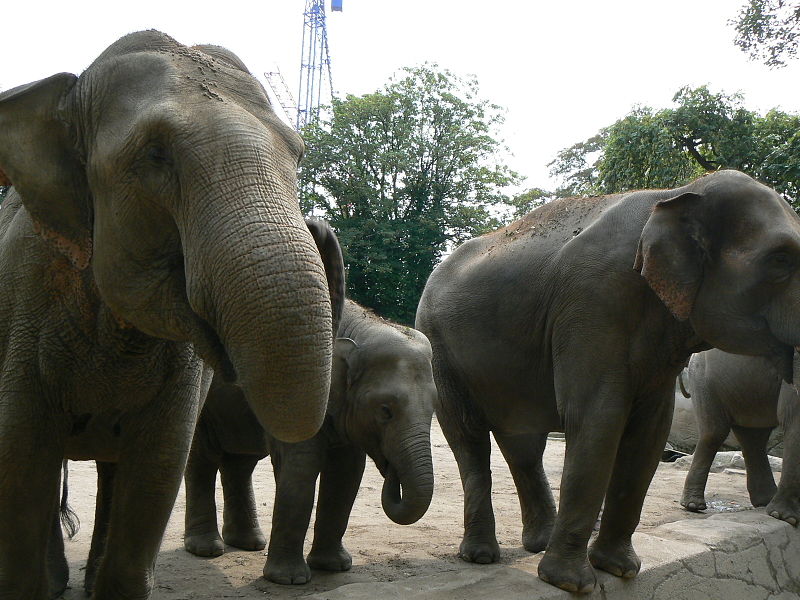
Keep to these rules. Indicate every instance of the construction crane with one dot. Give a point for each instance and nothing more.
(282, 94)
(315, 68)
(315, 63)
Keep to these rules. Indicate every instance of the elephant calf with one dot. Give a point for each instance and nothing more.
(380, 404)
(746, 394)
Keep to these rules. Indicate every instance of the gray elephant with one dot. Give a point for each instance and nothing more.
(380, 404)
(746, 394)
(152, 233)
(219, 393)
(578, 318)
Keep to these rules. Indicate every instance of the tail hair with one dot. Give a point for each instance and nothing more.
(69, 519)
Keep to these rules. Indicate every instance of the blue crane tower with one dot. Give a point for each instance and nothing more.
(315, 63)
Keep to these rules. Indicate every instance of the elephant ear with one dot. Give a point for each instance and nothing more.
(39, 158)
(671, 252)
(344, 351)
(331, 253)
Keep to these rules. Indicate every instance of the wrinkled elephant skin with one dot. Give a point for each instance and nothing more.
(152, 232)
(578, 317)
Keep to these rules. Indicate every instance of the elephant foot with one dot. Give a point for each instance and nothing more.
(250, 538)
(571, 574)
(535, 539)
(619, 559)
(477, 551)
(693, 502)
(335, 559)
(90, 576)
(110, 587)
(762, 496)
(56, 586)
(785, 508)
(204, 544)
(287, 570)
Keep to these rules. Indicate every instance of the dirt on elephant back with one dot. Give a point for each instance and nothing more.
(382, 551)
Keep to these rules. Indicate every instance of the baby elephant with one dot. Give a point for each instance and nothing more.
(746, 394)
(380, 404)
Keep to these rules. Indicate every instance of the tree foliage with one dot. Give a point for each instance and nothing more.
(769, 30)
(704, 132)
(402, 174)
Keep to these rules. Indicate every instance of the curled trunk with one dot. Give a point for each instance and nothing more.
(408, 484)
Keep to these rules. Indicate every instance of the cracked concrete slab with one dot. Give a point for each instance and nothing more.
(740, 556)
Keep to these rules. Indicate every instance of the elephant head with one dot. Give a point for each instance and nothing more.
(723, 253)
(163, 174)
(382, 394)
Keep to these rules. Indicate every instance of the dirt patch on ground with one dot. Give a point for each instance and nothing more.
(382, 551)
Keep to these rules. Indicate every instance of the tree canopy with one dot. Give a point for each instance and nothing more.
(769, 30)
(704, 132)
(402, 174)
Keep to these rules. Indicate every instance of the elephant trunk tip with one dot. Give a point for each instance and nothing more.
(409, 506)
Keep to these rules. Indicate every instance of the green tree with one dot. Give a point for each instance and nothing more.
(402, 174)
(703, 132)
(769, 30)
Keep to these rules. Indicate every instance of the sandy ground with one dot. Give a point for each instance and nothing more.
(382, 551)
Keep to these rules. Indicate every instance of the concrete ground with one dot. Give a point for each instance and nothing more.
(731, 552)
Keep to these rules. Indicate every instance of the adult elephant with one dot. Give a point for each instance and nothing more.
(235, 424)
(152, 232)
(578, 317)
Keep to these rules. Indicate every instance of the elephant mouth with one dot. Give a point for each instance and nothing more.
(383, 466)
(209, 345)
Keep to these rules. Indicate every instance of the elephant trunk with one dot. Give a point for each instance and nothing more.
(408, 484)
(257, 279)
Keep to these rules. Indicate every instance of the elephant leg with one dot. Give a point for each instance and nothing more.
(240, 526)
(760, 482)
(785, 505)
(523, 453)
(296, 468)
(595, 410)
(467, 435)
(155, 446)
(57, 566)
(201, 535)
(338, 487)
(637, 459)
(28, 508)
(479, 544)
(711, 436)
(102, 515)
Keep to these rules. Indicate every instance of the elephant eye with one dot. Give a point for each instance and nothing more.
(780, 265)
(780, 259)
(385, 413)
(158, 154)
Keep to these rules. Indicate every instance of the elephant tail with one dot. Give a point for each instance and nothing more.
(69, 519)
(682, 385)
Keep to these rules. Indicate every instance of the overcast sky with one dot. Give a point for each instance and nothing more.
(561, 69)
